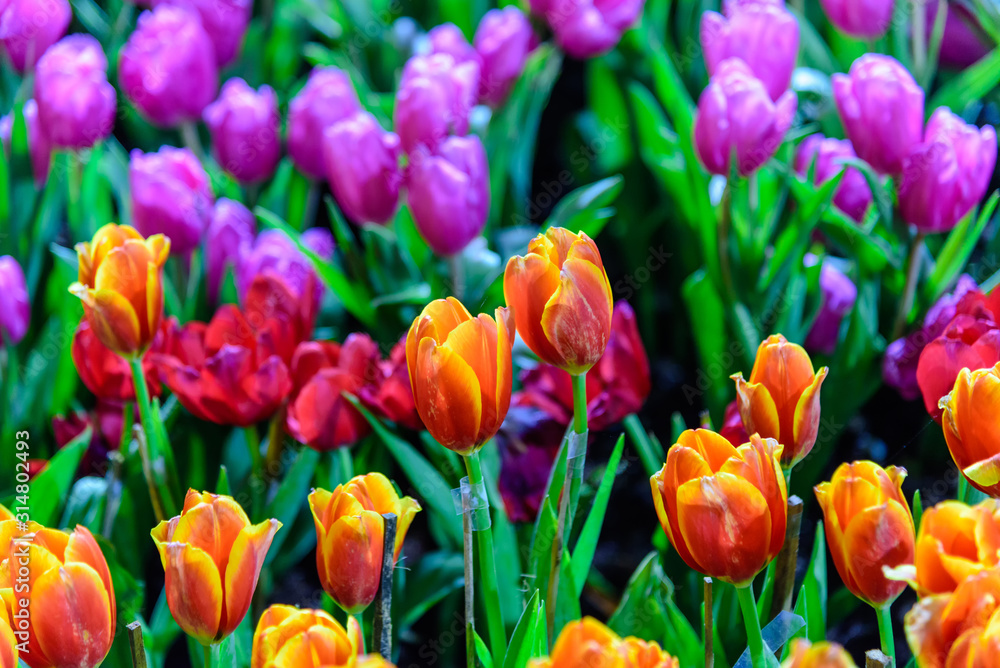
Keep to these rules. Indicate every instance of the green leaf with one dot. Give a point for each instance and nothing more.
(483, 652)
(607, 100)
(586, 544)
(918, 509)
(567, 600)
(957, 249)
(222, 484)
(815, 588)
(522, 641)
(436, 575)
(291, 496)
(708, 318)
(541, 634)
(587, 208)
(49, 489)
(971, 85)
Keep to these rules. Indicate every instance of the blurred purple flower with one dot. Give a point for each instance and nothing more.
(225, 21)
(838, 294)
(29, 27)
(448, 38)
(529, 443)
(245, 130)
(229, 238)
(853, 196)
(38, 142)
(503, 41)
(15, 307)
(863, 19)
(274, 252)
(434, 98)
(328, 97)
(964, 41)
(362, 167)
(588, 28)
(171, 195)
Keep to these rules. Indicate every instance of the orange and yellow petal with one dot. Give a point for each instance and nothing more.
(194, 591)
(247, 558)
(352, 552)
(71, 616)
(448, 397)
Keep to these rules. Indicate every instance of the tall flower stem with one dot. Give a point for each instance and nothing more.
(912, 275)
(885, 631)
(208, 656)
(153, 454)
(487, 567)
(755, 640)
(189, 135)
(470, 589)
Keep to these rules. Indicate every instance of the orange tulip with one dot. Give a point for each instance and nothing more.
(868, 526)
(212, 558)
(723, 508)
(349, 531)
(287, 637)
(956, 541)
(781, 399)
(561, 299)
(58, 595)
(460, 372)
(643, 654)
(824, 654)
(587, 642)
(8, 643)
(972, 427)
(374, 661)
(121, 286)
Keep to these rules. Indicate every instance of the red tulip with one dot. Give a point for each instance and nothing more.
(968, 342)
(392, 395)
(105, 373)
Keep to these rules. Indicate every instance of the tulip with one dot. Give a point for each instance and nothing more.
(391, 394)
(839, 294)
(76, 104)
(212, 556)
(449, 193)
(868, 526)
(736, 115)
(732, 425)
(274, 254)
(434, 99)
(106, 374)
(723, 508)
(882, 109)
(362, 166)
(245, 130)
(448, 38)
(503, 41)
(968, 342)
(529, 445)
(588, 28)
(167, 67)
(947, 175)
(171, 195)
(764, 36)
(225, 22)
(964, 41)
(561, 299)
(289, 637)
(823, 654)
(956, 541)
(327, 98)
(70, 596)
(228, 240)
(853, 196)
(120, 284)
(970, 427)
(866, 20)
(107, 423)
(587, 642)
(15, 306)
(460, 372)
(781, 399)
(349, 531)
(38, 142)
(29, 27)
(8, 643)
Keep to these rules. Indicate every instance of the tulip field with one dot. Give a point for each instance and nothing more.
(499, 334)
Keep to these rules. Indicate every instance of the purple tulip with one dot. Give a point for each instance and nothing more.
(229, 238)
(963, 41)
(171, 195)
(225, 21)
(167, 67)
(275, 252)
(864, 19)
(764, 36)
(735, 113)
(434, 99)
(853, 196)
(947, 175)
(244, 125)
(328, 97)
(449, 38)
(29, 27)
(38, 143)
(15, 308)
(839, 294)
(882, 109)
(76, 104)
(362, 167)
(449, 193)
(588, 28)
(503, 40)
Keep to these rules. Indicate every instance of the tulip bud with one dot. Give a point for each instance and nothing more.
(589, 643)
(449, 193)
(964, 41)
(171, 195)
(823, 654)
(212, 556)
(585, 28)
(839, 294)
(561, 299)
(868, 526)
(736, 115)
(229, 238)
(955, 541)
(225, 22)
(947, 175)
(781, 399)
(362, 166)
(76, 104)
(327, 98)
(245, 130)
(503, 41)
(764, 36)
(287, 637)
(349, 531)
(970, 427)
(434, 98)
(167, 67)
(867, 20)
(15, 306)
(29, 27)
(853, 196)
(882, 109)
(723, 508)
(121, 286)
(448, 38)
(460, 372)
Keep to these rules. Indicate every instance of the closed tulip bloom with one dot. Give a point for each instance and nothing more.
(327, 98)
(970, 421)
(70, 595)
(839, 294)
(449, 193)
(823, 654)
(723, 508)
(449, 38)
(121, 286)
(171, 195)
(764, 36)
(229, 238)
(225, 22)
(781, 399)
(956, 541)
(503, 41)
(349, 530)
(212, 556)
(882, 109)
(245, 130)
(460, 372)
(289, 637)
(15, 306)
(434, 99)
(947, 175)
(964, 41)
(104, 372)
(167, 67)
(362, 167)
(868, 526)
(76, 104)
(867, 19)
(853, 196)
(588, 642)
(39, 147)
(588, 28)
(561, 299)
(736, 115)
(29, 27)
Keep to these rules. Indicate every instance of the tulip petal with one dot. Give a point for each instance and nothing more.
(806, 423)
(448, 397)
(71, 616)
(356, 635)
(713, 448)
(504, 377)
(878, 536)
(243, 570)
(316, 647)
(194, 591)
(8, 644)
(528, 284)
(577, 317)
(112, 317)
(212, 527)
(353, 553)
(757, 409)
(436, 321)
(82, 548)
(984, 474)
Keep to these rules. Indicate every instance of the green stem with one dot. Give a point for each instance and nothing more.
(580, 427)
(74, 178)
(651, 460)
(580, 403)
(885, 631)
(488, 570)
(346, 463)
(208, 656)
(275, 442)
(189, 135)
(912, 276)
(755, 641)
(154, 450)
(963, 488)
(253, 445)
